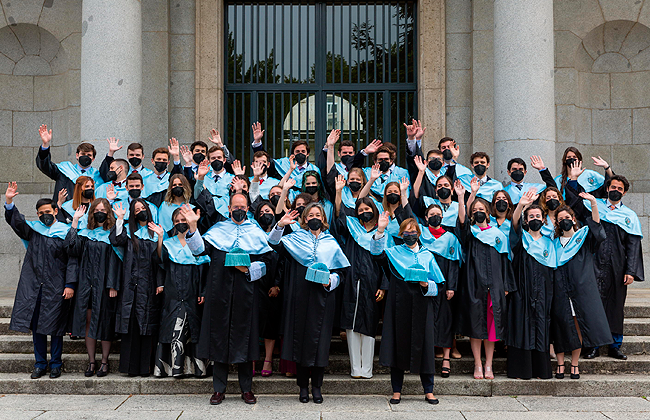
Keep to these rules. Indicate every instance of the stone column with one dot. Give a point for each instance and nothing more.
(111, 72)
(524, 102)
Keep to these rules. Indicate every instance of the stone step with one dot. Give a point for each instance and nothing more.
(76, 384)
(340, 364)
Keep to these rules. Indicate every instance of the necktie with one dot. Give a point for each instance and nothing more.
(261, 180)
(83, 171)
(612, 207)
(383, 178)
(519, 186)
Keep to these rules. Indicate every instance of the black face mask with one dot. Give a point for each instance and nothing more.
(301, 158)
(217, 165)
(366, 216)
(135, 162)
(435, 164)
(614, 195)
(570, 162)
(346, 160)
(274, 199)
(142, 216)
(384, 165)
(501, 206)
(160, 166)
(411, 239)
(446, 154)
(354, 186)
(535, 225)
(85, 161)
(134, 193)
(238, 215)
(517, 176)
(480, 170)
(300, 209)
(181, 227)
(393, 198)
(312, 189)
(444, 193)
(566, 224)
(480, 217)
(88, 193)
(100, 217)
(178, 191)
(266, 219)
(435, 221)
(552, 204)
(314, 224)
(47, 219)
(198, 157)
(111, 176)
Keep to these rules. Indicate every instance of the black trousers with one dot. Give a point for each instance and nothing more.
(315, 373)
(397, 380)
(220, 376)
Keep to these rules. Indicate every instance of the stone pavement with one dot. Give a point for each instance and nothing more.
(186, 407)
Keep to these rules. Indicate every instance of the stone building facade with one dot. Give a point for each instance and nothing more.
(509, 77)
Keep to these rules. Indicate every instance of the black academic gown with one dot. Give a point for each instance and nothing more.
(444, 309)
(407, 338)
(360, 311)
(49, 169)
(618, 255)
(230, 325)
(270, 309)
(529, 308)
(485, 270)
(576, 280)
(307, 315)
(44, 271)
(183, 285)
(98, 269)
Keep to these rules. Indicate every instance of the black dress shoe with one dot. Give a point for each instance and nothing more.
(55, 373)
(318, 397)
(249, 397)
(616, 353)
(431, 400)
(592, 353)
(217, 398)
(304, 395)
(37, 373)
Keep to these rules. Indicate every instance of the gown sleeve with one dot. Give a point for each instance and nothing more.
(634, 257)
(73, 243)
(596, 235)
(18, 223)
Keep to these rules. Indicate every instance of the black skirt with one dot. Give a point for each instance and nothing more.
(528, 364)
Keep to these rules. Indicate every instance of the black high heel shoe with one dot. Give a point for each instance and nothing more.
(558, 374)
(102, 371)
(445, 371)
(91, 369)
(318, 396)
(574, 375)
(304, 395)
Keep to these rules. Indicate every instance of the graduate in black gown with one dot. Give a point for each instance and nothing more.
(43, 293)
(97, 265)
(314, 267)
(182, 283)
(365, 284)
(619, 260)
(486, 279)
(529, 308)
(577, 315)
(139, 310)
(408, 341)
(239, 256)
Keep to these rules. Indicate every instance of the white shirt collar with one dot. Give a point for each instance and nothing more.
(617, 206)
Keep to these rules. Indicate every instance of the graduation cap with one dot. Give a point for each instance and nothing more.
(237, 257)
(416, 273)
(318, 273)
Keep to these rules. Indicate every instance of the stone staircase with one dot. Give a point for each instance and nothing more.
(602, 376)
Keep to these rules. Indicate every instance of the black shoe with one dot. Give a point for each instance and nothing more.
(318, 397)
(304, 395)
(37, 373)
(431, 400)
(574, 375)
(558, 374)
(592, 353)
(91, 369)
(616, 353)
(103, 370)
(395, 400)
(55, 373)
(445, 371)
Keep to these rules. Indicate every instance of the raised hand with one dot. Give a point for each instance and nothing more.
(173, 148)
(63, 195)
(420, 130)
(382, 221)
(333, 138)
(537, 162)
(588, 197)
(12, 191)
(292, 163)
(187, 155)
(576, 170)
(156, 228)
(203, 169)
(529, 198)
(190, 217)
(111, 195)
(81, 210)
(404, 185)
(46, 136)
(215, 138)
(374, 172)
(258, 133)
(411, 130)
(455, 151)
(460, 190)
(237, 168)
(373, 146)
(288, 218)
(238, 184)
(419, 162)
(119, 210)
(113, 145)
(258, 169)
(340, 183)
(289, 184)
(598, 161)
(475, 185)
